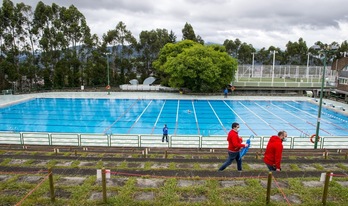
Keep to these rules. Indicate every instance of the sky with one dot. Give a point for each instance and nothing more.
(259, 23)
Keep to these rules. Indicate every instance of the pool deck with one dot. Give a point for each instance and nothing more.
(6, 100)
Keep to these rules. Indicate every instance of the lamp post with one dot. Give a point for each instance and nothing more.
(108, 73)
(324, 51)
(253, 63)
(274, 52)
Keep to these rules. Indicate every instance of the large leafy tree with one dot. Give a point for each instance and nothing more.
(196, 67)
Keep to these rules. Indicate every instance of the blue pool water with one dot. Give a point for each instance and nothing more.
(183, 117)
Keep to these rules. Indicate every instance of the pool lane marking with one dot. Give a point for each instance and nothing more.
(268, 124)
(177, 117)
(194, 112)
(217, 117)
(309, 115)
(339, 127)
(154, 126)
(293, 114)
(119, 117)
(282, 119)
(139, 117)
(240, 118)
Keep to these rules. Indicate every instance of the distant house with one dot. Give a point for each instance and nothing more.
(341, 66)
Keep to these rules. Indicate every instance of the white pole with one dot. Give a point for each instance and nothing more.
(307, 72)
(273, 66)
(252, 68)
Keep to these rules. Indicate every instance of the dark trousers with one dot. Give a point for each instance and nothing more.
(166, 136)
(230, 158)
(271, 167)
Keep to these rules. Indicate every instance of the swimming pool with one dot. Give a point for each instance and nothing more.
(183, 117)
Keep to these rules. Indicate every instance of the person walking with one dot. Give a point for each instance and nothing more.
(165, 133)
(234, 147)
(274, 150)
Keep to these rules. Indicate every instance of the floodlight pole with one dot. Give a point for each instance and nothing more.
(108, 71)
(320, 103)
(325, 51)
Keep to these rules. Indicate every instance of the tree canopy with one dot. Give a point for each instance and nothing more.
(191, 65)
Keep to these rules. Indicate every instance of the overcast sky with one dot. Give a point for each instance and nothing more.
(260, 23)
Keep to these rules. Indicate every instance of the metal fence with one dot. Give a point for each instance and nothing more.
(281, 73)
(184, 141)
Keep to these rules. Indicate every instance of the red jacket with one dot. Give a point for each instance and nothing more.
(234, 141)
(273, 153)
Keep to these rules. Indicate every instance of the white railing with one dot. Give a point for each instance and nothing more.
(182, 141)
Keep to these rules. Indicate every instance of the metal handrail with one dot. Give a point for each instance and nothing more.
(147, 140)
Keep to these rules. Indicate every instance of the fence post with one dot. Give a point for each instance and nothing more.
(166, 154)
(269, 185)
(326, 187)
(50, 178)
(104, 184)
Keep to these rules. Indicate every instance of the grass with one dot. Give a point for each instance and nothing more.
(252, 191)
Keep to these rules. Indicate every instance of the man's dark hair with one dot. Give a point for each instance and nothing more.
(234, 125)
(280, 133)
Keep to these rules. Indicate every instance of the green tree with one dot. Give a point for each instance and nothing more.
(296, 52)
(196, 67)
(150, 43)
(189, 34)
(123, 45)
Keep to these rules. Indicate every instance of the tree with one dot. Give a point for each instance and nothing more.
(122, 37)
(196, 67)
(189, 34)
(150, 43)
(296, 52)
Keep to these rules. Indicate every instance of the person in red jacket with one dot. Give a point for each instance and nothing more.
(234, 146)
(274, 150)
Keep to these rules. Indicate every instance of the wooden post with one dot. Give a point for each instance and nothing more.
(326, 187)
(104, 184)
(269, 186)
(50, 178)
(166, 154)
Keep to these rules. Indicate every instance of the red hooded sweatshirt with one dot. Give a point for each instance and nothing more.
(234, 141)
(273, 153)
